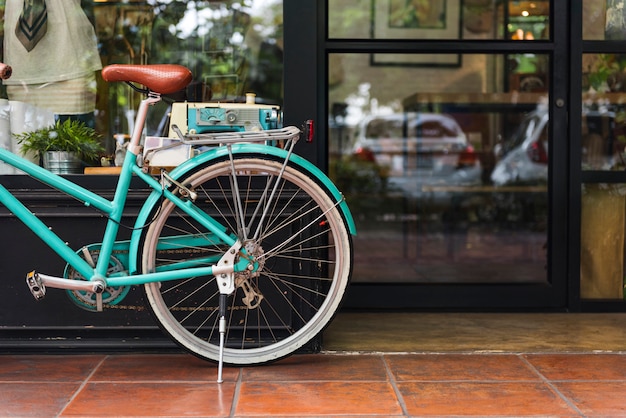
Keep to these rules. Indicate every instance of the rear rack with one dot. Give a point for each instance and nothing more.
(289, 133)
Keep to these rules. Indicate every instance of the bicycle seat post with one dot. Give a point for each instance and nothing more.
(135, 141)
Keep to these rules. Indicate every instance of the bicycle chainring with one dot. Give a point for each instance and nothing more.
(110, 296)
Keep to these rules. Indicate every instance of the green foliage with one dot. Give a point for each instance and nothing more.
(608, 73)
(70, 136)
(354, 176)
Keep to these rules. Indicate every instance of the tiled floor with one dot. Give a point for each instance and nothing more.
(385, 385)
(575, 379)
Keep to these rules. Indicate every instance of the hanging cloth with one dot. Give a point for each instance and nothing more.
(32, 23)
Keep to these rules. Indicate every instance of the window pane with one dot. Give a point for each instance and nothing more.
(604, 112)
(603, 224)
(445, 168)
(232, 48)
(603, 20)
(445, 19)
(603, 206)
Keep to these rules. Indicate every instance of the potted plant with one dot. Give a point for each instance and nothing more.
(63, 146)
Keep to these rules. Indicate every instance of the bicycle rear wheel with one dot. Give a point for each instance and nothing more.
(299, 238)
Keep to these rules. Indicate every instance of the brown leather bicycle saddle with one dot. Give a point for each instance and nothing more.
(159, 78)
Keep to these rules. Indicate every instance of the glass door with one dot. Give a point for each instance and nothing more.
(447, 157)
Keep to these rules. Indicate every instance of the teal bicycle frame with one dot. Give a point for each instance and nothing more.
(114, 210)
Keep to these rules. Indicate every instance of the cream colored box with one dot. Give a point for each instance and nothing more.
(166, 152)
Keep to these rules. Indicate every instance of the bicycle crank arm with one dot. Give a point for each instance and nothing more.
(37, 283)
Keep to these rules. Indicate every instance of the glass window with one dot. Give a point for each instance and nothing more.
(231, 47)
(445, 167)
(445, 19)
(603, 20)
(604, 112)
(603, 207)
(603, 222)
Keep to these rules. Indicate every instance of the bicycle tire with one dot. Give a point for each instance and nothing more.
(304, 249)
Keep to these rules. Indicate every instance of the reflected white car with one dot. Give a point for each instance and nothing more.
(414, 150)
(524, 157)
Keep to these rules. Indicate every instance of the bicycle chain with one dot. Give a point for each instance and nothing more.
(140, 308)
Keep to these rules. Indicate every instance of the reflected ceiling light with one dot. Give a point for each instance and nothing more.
(525, 13)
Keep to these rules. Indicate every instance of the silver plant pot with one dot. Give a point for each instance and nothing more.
(62, 162)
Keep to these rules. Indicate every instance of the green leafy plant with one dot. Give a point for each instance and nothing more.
(70, 136)
(607, 73)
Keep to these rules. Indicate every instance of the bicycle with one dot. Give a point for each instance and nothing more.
(244, 250)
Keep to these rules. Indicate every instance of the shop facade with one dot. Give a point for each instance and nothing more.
(480, 143)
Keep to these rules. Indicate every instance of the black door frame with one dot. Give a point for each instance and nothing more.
(579, 177)
(307, 48)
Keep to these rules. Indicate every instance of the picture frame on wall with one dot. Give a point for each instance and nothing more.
(414, 19)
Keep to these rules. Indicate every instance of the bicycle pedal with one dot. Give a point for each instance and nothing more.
(35, 285)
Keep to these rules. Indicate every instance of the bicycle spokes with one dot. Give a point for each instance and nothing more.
(293, 239)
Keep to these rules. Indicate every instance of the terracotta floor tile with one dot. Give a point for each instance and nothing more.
(596, 399)
(482, 399)
(40, 368)
(153, 400)
(434, 367)
(320, 367)
(35, 399)
(160, 368)
(317, 398)
(325, 416)
(580, 366)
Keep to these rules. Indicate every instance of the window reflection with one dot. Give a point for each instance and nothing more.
(428, 147)
(232, 48)
(603, 20)
(603, 222)
(603, 206)
(401, 19)
(527, 20)
(604, 112)
(523, 158)
(415, 19)
(445, 169)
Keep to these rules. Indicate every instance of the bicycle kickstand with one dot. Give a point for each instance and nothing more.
(222, 330)
(226, 286)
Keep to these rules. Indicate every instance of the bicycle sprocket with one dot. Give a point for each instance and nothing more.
(110, 296)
